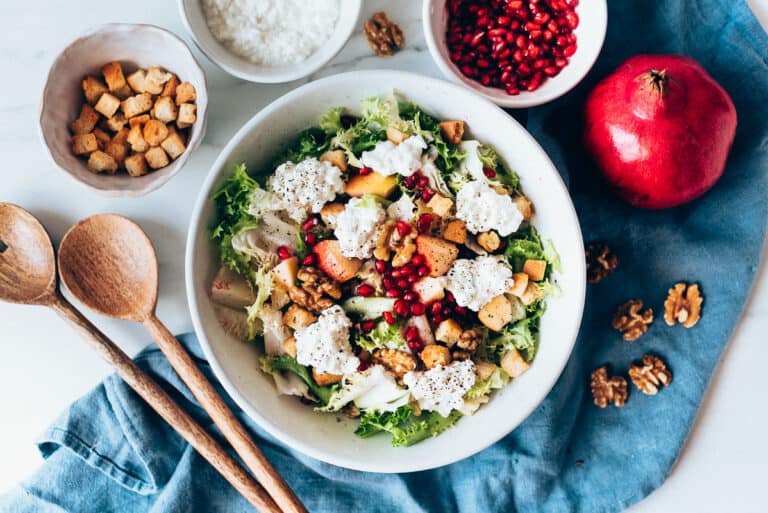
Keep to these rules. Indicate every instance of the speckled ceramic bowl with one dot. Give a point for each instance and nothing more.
(134, 46)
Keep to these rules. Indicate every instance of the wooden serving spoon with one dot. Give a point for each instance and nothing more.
(109, 264)
(28, 276)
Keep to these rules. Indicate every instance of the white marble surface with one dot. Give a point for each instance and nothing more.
(44, 366)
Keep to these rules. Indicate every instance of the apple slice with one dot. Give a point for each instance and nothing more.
(372, 183)
(230, 289)
(333, 263)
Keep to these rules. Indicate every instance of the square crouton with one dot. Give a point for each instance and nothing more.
(135, 105)
(156, 157)
(155, 79)
(100, 162)
(136, 140)
(84, 144)
(440, 205)
(173, 145)
(155, 132)
(136, 165)
(113, 76)
(185, 93)
(93, 89)
(107, 105)
(136, 80)
(102, 137)
(187, 115)
(456, 231)
(121, 136)
(124, 92)
(165, 110)
(117, 151)
(448, 331)
(138, 120)
(86, 122)
(535, 269)
(169, 89)
(116, 122)
(453, 131)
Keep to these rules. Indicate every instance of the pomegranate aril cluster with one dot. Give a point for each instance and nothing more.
(514, 45)
(438, 311)
(419, 184)
(398, 284)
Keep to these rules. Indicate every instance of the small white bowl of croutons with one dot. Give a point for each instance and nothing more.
(123, 108)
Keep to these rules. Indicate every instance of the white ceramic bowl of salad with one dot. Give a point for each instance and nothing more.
(330, 437)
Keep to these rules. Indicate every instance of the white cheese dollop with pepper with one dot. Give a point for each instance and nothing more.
(484, 209)
(475, 282)
(357, 227)
(306, 186)
(325, 345)
(442, 388)
(388, 158)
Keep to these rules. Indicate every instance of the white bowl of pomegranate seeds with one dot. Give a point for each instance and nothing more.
(516, 53)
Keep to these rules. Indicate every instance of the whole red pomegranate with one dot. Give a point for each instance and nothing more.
(660, 129)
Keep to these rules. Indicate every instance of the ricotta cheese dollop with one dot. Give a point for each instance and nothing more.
(357, 227)
(477, 281)
(442, 388)
(402, 209)
(388, 158)
(484, 209)
(306, 186)
(325, 345)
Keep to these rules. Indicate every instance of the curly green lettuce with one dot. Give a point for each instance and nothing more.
(405, 428)
(522, 335)
(382, 336)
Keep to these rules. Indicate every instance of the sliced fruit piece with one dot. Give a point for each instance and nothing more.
(440, 205)
(513, 363)
(519, 284)
(452, 130)
(280, 296)
(448, 331)
(524, 205)
(324, 378)
(438, 253)
(336, 157)
(285, 272)
(496, 313)
(395, 135)
(234, 322)
(456, 231)
(368, 307)
(429, 289)
(230, 289)
(333, 263)
(535, 269)
(372, 183)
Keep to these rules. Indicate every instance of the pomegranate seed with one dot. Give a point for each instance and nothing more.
(423, 270)
(397, 273)
(363, 366)
(422, 181)
(490, 173)
(447, 310)
(393, 293)
(515, 4)
(402, 283)
(387, 282)
(438, 318)
(486, 81)
(560, 62)
(573, 19)
(367, 326)
(417, 309)
(310, 259)
(512, 90)
(417, 259)
(531, 26)
(412, 334)
(409, 269)
(381, 265)
(518, 56)
(410, 296)
(551, 71)
(569, 50)
(436, 307)
(310, 238)
(449, 297)
(409, 181)
(284, 253)
(503, 20)
(426, 194)
(403, 228)
(521, 41)
(401, 308)
(424, 224)
(415, 345)
(413, 278)
(366, 171)
(460, 310)
(388, 317)
(309, 224)
(365, 290)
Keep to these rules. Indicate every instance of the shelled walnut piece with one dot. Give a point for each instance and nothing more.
(155, 106)
(601, 261)
(470, 339)
(607, 390)
(314, 285)
(651, 375)
(397, 362)
(631, 320)
(683, 305)
(383, 35)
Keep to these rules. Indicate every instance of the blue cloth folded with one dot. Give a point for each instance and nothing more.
(110, 453)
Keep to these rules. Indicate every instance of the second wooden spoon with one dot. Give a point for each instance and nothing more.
(109, 264)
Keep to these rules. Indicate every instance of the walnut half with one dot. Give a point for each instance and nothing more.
(631, 321)
(384, 36)
(601, 261)
(607, 390)
(651, 375)
(683, 305)
(397, 362)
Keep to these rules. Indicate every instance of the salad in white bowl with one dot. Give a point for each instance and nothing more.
(387, 267)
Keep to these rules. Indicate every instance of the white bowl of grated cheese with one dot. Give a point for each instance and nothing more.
(270, 41)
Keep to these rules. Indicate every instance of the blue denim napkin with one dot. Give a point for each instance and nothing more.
(110, 453)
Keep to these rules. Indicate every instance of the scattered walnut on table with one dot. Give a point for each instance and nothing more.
(683, 305)
(384, 36)
(631, 320)
(607, 390)
(651, 375)
(397, 362)
(601, 261)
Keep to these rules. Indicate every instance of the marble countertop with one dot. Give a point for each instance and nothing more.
(44, 366)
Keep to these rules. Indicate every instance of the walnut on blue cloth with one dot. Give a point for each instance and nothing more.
(651, 375)
(607, 390)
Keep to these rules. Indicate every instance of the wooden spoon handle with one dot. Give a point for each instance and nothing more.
(220, 413)
(167, 408)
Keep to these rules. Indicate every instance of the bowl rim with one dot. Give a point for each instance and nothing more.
(524, 99)
(151, 185)
(270, 77)
(398, 465)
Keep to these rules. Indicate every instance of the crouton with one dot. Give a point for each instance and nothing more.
(93, 89)
(489, 241)
(173, 145)
(113, 76)
(116, 122)
(336, 157)
(121, 136)
(535, 269)
(429, 289)
(496, 313)
(519, 284)
(169, 89)
(100, 162)
(136, 80)
(187, 116)
(107, 105)
(330, 212)
(484, 369)
(136, 164)
(325, 379)
(396, 136)
(86, 122)
(513, 363)
(297, 317)
(84, 144)
(531, 294)
(448, 331)
(289, 344)
(524, 205)
(155, 79)
(124, 92)
(136, 140)
(155, 132)
(440, 205)
(434, 354)
(453, 131)
(117, 151)
(456, 231)
(135, 105)
(185, 93)
(156, 157)
(165, 110)
(101, 137)
(138, 120)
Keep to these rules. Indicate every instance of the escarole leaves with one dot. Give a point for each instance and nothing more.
(406, 429)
